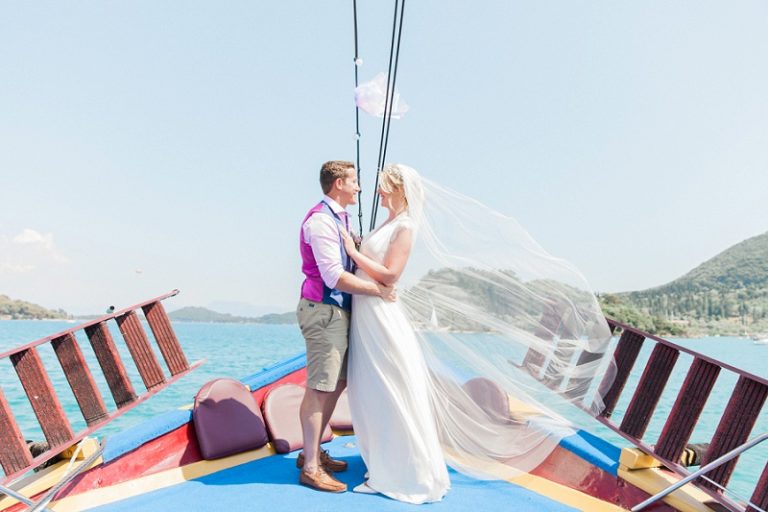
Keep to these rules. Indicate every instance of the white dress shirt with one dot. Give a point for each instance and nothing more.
(322, 233)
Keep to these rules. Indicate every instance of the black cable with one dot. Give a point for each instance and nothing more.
(394, 81)
(357, 127)
(386, 119)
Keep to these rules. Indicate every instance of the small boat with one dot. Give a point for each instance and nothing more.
(167, 464)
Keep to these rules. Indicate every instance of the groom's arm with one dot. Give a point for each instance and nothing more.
(322, 235)
(350, 283)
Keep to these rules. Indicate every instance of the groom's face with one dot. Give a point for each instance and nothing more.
(349, 189)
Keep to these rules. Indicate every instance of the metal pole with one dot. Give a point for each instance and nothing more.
(705, 469)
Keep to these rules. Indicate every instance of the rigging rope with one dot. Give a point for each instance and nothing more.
(397, 30)
(358, 62)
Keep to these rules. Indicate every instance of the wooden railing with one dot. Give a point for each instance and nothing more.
(738, 418)
(15, 457)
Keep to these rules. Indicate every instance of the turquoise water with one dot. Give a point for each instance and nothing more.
(238, 350)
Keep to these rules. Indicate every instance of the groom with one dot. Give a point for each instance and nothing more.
(323, 314)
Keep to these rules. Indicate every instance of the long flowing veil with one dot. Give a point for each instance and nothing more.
(513, 338)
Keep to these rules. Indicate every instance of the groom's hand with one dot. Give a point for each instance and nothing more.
(388, 293)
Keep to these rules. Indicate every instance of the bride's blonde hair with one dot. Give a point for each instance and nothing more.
(392, 179)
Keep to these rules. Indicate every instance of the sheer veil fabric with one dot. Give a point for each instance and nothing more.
(513, 338)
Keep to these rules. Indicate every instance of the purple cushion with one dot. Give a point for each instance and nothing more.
(227, 419)
(281, 413)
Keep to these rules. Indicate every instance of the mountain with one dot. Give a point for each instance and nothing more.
(727, 294)
(238, 308)
(278, 318)
(198, 314)
(11, 309)
(742, 266)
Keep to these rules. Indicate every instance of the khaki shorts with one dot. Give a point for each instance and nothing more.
(326, 333)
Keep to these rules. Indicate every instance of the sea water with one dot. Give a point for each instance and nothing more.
(239, 350)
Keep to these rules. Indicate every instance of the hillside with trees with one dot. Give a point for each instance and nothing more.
(11, 309)
(727, 295)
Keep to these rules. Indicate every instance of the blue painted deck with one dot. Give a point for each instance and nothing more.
(272, 483)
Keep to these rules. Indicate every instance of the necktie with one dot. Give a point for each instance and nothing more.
(345, 218)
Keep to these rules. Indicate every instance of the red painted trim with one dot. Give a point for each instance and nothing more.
(51, 454)
(140, 349)
(734, 428)
(625, 355)
(687, 409)
(14, 454)
(690, 352)
(566, 468)
(672, 466)
(648, 391)
(174, 449)
(111, 364)
(46, 404)
(760, 496)
(166, 339)
(80, 378)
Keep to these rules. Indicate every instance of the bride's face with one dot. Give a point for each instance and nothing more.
(393, 200)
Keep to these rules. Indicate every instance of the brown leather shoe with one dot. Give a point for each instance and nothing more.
(321, 481)
(326, 461)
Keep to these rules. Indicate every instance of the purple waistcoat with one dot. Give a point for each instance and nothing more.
(313, 288)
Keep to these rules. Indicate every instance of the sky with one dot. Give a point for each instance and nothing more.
(153, 145)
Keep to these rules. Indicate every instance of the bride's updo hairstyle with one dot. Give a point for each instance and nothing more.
(404, 179)
(392, 180)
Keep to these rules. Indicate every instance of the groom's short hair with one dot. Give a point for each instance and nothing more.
(333, 170)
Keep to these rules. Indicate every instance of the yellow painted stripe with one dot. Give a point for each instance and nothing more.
(634, 458)
(170, 477)
(98, 497)
(653, 480)
(39, 482)
(564, 495)
(161, 480)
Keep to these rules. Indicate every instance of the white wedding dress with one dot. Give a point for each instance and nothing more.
(389, 392)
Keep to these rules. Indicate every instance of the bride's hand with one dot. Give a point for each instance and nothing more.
(388, 293)
(349, 243)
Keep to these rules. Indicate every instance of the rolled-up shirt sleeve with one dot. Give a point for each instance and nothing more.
(322, 234)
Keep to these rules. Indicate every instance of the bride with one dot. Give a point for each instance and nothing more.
(389, 394)
(522, 342)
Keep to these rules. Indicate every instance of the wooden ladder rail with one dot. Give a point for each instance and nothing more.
(15, 458)
(738, 419)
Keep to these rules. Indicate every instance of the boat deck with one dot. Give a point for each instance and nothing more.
(272, 482)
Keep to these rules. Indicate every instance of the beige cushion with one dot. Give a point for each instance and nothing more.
(490, 397)
(281, 413)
